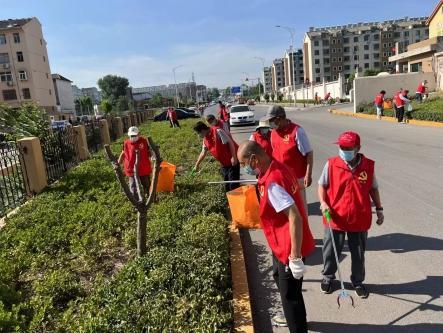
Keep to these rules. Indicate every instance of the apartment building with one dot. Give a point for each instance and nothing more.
(93, 93)
(25, 74)
(278, 74)
(293, 67)
(64, 96)
(186, 90)
(358, 47)
(267, 79)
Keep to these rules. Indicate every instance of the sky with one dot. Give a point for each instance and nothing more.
(144, 40)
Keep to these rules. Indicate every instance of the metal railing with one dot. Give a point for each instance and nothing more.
(13, 190)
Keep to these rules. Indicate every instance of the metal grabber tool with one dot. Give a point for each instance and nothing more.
(343, 292)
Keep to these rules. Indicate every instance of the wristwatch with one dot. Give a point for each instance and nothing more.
(379, 209)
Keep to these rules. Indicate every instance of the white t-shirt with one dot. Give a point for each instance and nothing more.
(279, 198)
(224, 137)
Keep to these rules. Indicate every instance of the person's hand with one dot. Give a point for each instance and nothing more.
(324, 207)
(234, 161)
(380, 217)
(194, 170)
(297, 267)
(307, 181)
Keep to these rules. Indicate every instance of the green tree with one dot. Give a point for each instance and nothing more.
(106, 106)
(112, 87)
(121, 105)
(371, 72)
(86, 104)
(279, 96)
(266, 96)
(272, 96)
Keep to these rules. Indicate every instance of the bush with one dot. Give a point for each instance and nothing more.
(67, 257)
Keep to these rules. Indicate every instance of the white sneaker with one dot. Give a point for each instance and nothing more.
(279, 321)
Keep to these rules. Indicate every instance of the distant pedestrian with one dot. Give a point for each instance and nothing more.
(421, 91)
(135, 143)
(223, 113)
(401, 101)
(172, 116)
(346, 187)
(328, 98)
(316, 98)
(379, 100)
(262, 136)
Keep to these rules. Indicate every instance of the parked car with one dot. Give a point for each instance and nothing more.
(60, 124)
(181, 114)
(241, 114)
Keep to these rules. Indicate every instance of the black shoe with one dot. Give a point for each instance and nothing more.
(361, 291)
(326, 286)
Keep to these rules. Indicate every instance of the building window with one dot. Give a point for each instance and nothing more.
(347, 49)
(376, 65)
(334, 50)
(47, 75)
(366, 38)
(385, 63)
(406, 33)
(389, 35)
(339, 59)
(397, 35)
(326, 60)
(347, 58)
(317, 61)
(4, 59)
(355, 56)
(334, 69)
(390, 44)
(376, 46)
(317, 79)
(44, 59)
(316, 52)
(335, 78)
(417, 33)
(366, 65)
(316, 43)
(2, 39)
(355, 39)
(326, 51)
(376, 55)
(366, 56)
(325, 43)
(317, 70)
(50, 91)
(376, 37)
(9, 95)
(26, 93)
(339, 68)
(327, 69)
(347, 67)
(346, 40)
(5, 76)
(20, 57)
(16, 36)
(355, 48)
(334, 59)
(22, 76)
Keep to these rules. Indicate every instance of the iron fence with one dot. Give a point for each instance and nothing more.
(92, 130)
(13, 191)
(125, 121)
(113, 129)
(59, 153)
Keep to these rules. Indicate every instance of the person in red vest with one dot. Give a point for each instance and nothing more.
(127, 157)
(421, 91)
(394, 102)
(401, 100)
(224, 149)
(291, 146)
(327, 98)
(223, 113)
(212, 121)
(262, 136)
(285, 224)
(378, 101)
(172, 116)
(345, 188)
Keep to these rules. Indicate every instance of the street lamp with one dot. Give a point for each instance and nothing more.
(292, 32)
(263, 68)
(175, 83)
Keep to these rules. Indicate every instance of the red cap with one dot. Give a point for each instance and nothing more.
(348, 139)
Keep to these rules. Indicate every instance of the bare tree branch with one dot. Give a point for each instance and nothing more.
(140, 190)
(157, 166)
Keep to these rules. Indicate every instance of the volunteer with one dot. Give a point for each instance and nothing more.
(421, 91)
(394, 102)
(346, 188)
(379, 100)
(172, 116)
(223, 148)
(212, 121)
(223, 113)
(262, 136)
(285, 225)
(401, 100)
(290, 146)
(127, 157)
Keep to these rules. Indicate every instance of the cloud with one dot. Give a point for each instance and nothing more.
(214, 64)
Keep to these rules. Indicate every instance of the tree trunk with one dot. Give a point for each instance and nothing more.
(141, 233)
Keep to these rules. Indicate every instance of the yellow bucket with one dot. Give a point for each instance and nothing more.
(244, 206)
(166, 177)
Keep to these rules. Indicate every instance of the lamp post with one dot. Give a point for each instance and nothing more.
(292, 32)
(263, 68)
(175, 83)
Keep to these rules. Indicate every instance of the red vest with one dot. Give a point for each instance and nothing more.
(172, 114)
(144, 166)
(263, 142)
(276, 225)
(224, 115)
(398, 101)
(285, 149)
(348, 195)
(421, 89)
(220, 151)
(378, 99)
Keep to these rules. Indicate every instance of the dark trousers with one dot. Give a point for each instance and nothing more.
(400, 113)
(291, 297)
(145, 182)
(174, 123)
(231, 173)
(357, 247)
(419, 97)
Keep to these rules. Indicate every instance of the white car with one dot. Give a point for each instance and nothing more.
(241, 114)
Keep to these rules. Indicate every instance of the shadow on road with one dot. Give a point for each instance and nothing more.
(314, 209)
(402, 243)
(368, 328)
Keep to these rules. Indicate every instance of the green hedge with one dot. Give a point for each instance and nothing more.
(67, 259)
(430, 110)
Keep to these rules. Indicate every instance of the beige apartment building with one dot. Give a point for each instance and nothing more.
(25, 74)
(358, 47)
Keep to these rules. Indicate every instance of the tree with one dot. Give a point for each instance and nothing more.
(228, 91)
(86, 104)
(106, 106)
(266, 97)
(213, 94)
(113, 87)
(279, 96)
(371, 72)
(272, 96)
(121, 104)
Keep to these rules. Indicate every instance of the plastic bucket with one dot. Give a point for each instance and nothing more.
(166, 177)
(244, 207)
(387, 105)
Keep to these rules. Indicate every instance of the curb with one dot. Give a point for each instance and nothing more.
(240, 289)
(389, 119)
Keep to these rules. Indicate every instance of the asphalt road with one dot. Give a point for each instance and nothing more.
(404, 258)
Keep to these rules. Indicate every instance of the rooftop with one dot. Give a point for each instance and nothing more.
(60, 77)
(14, 23)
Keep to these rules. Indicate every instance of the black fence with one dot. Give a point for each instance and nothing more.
(113, 124)
(13, 191)
(59, 153)
(92, 130)
(125, 121)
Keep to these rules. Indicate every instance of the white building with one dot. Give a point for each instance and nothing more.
(63, 96)
(267, 79)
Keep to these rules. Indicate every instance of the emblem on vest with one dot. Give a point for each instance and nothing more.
(261, 190)
(363, 177)
(141, 145)
(286, 138)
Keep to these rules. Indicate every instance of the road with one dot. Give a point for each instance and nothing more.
(404, 258)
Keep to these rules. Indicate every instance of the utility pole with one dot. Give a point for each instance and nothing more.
(291, 53)
(263, 70)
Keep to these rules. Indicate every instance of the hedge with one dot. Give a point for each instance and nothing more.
(430, 110)
(67, 258)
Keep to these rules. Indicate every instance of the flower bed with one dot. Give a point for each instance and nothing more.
(67, 260)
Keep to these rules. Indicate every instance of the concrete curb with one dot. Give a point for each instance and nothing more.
(240, 289)
(389, 119)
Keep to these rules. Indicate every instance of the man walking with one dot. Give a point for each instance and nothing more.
(346, 188)
(379, 100)
(285, 225)
(223, 113)
(291, 147)
(401, 101)
(172, 116)
(224, 149)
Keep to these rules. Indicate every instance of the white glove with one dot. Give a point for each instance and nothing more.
(380, 217)
(297, 268)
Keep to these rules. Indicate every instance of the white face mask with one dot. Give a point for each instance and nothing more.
(133, 138)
